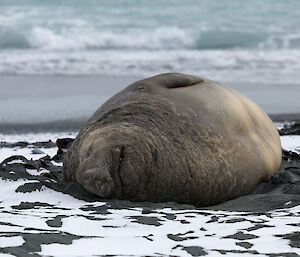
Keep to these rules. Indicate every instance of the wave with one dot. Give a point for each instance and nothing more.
(160, 38)
(229, 39)
(257, 41)
(10, 39)
(45, 38)
(273, 66)
(150, 39)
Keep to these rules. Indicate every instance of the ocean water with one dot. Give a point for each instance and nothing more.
(230, 40)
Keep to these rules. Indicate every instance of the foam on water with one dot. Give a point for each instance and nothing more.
(275, 67)
(158, 38)
(258, 40)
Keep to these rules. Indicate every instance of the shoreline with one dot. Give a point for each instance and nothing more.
(36, 103)
(75, 125)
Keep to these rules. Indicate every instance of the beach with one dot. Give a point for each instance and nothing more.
(47, 102)
(61, 60)
(42, 215)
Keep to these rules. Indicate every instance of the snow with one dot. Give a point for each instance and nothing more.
(291, 143)
(118, 232)
(36, 137)
(11, 241)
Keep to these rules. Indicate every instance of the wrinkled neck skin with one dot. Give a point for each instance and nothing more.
(115, 157)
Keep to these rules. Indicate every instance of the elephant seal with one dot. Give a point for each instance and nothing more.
(175, 137)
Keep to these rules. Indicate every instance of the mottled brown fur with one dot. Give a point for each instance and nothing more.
(175, 137)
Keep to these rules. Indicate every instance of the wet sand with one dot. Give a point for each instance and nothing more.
(51, 99)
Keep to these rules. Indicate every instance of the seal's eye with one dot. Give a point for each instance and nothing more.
(142, 88)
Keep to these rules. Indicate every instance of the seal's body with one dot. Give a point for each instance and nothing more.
(175, 137)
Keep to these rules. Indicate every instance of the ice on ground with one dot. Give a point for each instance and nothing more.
(60, 225)
(31, 138)
(10, 241)
(291, 143)
(36, 137)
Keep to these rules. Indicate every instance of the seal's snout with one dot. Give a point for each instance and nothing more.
(98, 172)
(97, 181)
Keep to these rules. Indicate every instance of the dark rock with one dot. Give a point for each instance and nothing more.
(37, 151)
(259, 226)
(244, 244)
(29, 187)
(34, 241)
(283, 254)
(184, 222)
(239, 252)
(213, 219)
(10, 224)
(56, 222)
(103, 210)
(294, 224)
(30, 205)
(209, 235)
(152, 221)
(175, 237)
(170, 216)
(195, 250)
(12, 145)
(45, 144)
(149, 237)
(181, 237)
(293, 237)
(290, 129)
(235, 220)
(64, 143)
(146, 210)
(242, 236)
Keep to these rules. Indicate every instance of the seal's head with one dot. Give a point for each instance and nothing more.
(111, 162)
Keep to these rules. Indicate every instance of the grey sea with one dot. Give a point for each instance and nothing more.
(61, 59)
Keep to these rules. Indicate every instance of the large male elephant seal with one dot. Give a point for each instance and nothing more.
(175, 137)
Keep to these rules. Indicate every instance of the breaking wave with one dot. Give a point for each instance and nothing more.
(260, 40)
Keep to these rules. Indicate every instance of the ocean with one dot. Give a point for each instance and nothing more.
(232, 40)
(61, 59)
